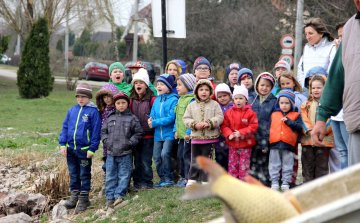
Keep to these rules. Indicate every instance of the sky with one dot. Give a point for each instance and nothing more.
(125, 10)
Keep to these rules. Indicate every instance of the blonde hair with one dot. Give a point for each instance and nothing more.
(290, 75)
(177, 66)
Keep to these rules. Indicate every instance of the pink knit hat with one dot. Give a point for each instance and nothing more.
(241, 90)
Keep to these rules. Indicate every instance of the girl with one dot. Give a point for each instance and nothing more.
(116, 73)
(239, 126)
(174, 69)
(162, 118)
(105, 104)
(142, 100)
(203, 117)
(280, 67)
(135, 68)
(263, 104)
(231, 74)
(246, 78)
(314, 159)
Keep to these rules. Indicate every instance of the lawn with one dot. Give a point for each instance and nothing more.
(32, 126)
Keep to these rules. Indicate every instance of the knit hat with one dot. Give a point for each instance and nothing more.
(116, 65)
(268, 76)
(107, 89)
(182, 65)
(188, 80)
(167, 79)
(288, 93)
(222, 88)
(84, 89)
(243, 73)
(283, 64)
(200, 61)
(122, 95)
(138, 64)
(241, 90)
(233, 66)
(141, 75)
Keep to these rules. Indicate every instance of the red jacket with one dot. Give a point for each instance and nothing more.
(245, 121)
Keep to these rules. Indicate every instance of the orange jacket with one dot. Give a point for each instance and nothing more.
(279, 131)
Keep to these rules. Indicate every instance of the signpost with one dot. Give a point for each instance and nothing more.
(287, 42)
(288, 58)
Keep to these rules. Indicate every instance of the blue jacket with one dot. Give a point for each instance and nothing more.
(163, 115)
(81, 128)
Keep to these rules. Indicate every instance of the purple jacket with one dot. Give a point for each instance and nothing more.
(141, 109)
(104, 115)
(221, 143)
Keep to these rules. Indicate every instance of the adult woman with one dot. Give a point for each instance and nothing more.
(319, 51)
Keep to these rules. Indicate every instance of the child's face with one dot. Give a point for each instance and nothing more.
(279, 71)
(247, 81)
(203, 92)
(286, 83)
(140, 87)
(264, 86)
(108, 100)
(162, 88)
(134, 71)
(240, 101)
(181, 89)
(233, 77)
(202, 72)
(172, 70)
(117, 76)
(317, 89)
(82, 100)
(121, 105)
(285, 104)
(223, 98)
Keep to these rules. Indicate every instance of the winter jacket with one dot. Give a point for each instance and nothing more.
(120, 132)
(122, 86)
(163, 115)
(81, 128)
(207, 111)
(141, 109)
(221, 143)
(275, 91)
(180, 108)
(284, 135)
(299, 99)
(245, 121)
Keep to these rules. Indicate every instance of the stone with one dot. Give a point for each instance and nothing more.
(61, 221)
(86, 218)
(36, 203)
(31, 204)
(136, 197)
(59, 211)
(15, 218)
(122, 204)
(45, 163)
(101, 193)
(109, 212)
(4, 171)
(100, 213)
(15, 170)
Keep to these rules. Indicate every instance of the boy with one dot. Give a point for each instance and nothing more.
(185, 87)
(202, 70)
(79, 139)
(280, 67)
(120, 132)
(117, 74)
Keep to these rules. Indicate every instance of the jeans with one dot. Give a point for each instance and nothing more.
(162, 160)
(341, 138)
(118, 173)
(143, 174)
(79, 170)
(104, 165)
(184, 157)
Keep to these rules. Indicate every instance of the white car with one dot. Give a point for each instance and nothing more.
(5, 58)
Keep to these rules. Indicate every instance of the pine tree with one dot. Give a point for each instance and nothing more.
(34, 76)
(59, 45)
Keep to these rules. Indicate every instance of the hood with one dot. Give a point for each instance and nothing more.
(208, 83)
(91, 105)
(108, 89)
(312, 72)
(165, 97)
(258, 78)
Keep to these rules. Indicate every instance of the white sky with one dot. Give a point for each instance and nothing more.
(125, 10)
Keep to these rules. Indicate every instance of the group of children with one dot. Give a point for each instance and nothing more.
(254, 127)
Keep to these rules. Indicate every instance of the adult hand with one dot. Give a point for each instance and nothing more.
(89, 155)
(64, 151)
(318, 133)
(337, 43)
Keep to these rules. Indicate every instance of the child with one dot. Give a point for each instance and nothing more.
(120, 132)
(223, 96)
(79, 139)
(263, 104)
(314, 159)
(162, 118)
(142, 100)
(284, 130)
(116, 73)
(245, 77)
(202, 70)
(185, 87)
(135, 68)
(203, 117)
(174, 69)
(280, 67)
(239, 126)
(105, 104)
(231, 74)
(309, 75)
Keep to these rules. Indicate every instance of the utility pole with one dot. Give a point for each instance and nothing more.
(67, 45)
(135, 51)
(298, 33)
(164, 37)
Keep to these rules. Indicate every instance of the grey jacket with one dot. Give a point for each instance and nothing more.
(120, 132)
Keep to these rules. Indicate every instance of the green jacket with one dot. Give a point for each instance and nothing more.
(180, 108)
(122, 86)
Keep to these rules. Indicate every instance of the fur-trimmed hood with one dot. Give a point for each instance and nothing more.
(107, 89)
(208, 83)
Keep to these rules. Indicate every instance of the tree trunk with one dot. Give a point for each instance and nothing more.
(115, 42)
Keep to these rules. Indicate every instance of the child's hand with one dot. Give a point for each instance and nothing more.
(199, 126)
(264, 150)
(149, 122)
(175, 135)
(64, 151)
(206, 125)
(187, 137)
(89, 156)
(284, 119)
(231, 136)
(237, 134)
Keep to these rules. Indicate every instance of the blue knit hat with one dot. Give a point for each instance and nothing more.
(200, 61)
(312, 72)
(288, 93)
(167, 79)
(233, 66)
(245, 72)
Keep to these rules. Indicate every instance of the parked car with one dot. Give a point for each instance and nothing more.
(95, 71)
(149, 67)
(5, 59)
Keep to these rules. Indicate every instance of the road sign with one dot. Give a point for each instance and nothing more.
(287, 51)
(287, 41)
(288, 58)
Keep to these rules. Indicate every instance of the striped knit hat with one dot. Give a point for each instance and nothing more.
(122, 95)
(84, 89)
(188, 80)
(288, 93)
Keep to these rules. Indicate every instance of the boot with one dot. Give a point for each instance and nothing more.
(83, 203)
(71, 203)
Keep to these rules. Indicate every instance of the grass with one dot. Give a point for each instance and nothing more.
(29, 129)
(8, 67)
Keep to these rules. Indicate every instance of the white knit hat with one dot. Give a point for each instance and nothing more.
(222, 88)
(241, 90)
(141, 75)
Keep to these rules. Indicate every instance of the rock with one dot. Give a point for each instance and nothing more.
(109, 212)
(45, 163)
(36, 203)
(121, 205)
(2, 198)
(37, 164)
(136, 197)
(86, 218)
(15, 170)
(15, 218)
(4, 171)
(114, 219)
(93, 201)
(101, 193)
(31, 204)
(100, 212)
(61, 221)
(59, 211)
